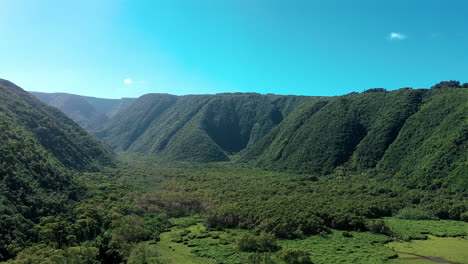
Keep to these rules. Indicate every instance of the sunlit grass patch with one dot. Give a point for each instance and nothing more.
(452, 249)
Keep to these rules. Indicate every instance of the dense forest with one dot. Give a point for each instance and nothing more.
(236, 178)
(39, 151)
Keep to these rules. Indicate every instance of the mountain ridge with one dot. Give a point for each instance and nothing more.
(165, 124)
(89, 112)
(418, 136)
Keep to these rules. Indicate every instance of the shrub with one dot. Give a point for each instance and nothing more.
(347, 234)
(413, 213)
(464, 216)
(378, 226)
(262, 243)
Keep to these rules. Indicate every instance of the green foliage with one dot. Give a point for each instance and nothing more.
(347, 234)
(260, 258)
(294, 256)
(447, 84)
(126, 232)
(40, 148)
(413, 213)
(375, 90)
(261, 243)
(49, 127)
(144, 254)
(378, 226)
(42, 254)
(289, 205)
(353, 129)
(464, 216)
(154, 226)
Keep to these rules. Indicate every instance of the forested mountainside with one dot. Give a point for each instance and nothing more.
(39, 149)
(89, 112)
(418, 136)
(199, 128)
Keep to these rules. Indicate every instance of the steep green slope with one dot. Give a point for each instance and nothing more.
(33, 183)
(55, 132)
(421, 134)
(432, 147)
(38, 147)
(196, 127)
(89, 112)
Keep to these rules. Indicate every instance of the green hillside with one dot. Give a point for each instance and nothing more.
(89, 112)
(58, 134)
(38, 147)
(198, 128)
(419, 135)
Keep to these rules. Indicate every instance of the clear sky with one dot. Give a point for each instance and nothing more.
(114, 48)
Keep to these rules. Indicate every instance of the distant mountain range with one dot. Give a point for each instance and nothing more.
(419, 135)
(89, 112)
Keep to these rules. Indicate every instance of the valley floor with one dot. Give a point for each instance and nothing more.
(189, 240)
(223, 213)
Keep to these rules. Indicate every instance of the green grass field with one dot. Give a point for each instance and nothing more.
(442, 239)
(453, 249)
(189, 241)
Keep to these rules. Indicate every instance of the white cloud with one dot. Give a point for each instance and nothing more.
(128, 81)
(397, 36)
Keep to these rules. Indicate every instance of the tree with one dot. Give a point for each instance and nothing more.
(143, 254)
(375, 90)
(127, 232)
(447, 84)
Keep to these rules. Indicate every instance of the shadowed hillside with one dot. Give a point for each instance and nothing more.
(197, 127)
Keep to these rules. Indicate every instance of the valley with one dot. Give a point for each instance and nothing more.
(233, 132)
(372, 177)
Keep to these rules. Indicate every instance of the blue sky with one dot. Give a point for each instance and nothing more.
(113, 48)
